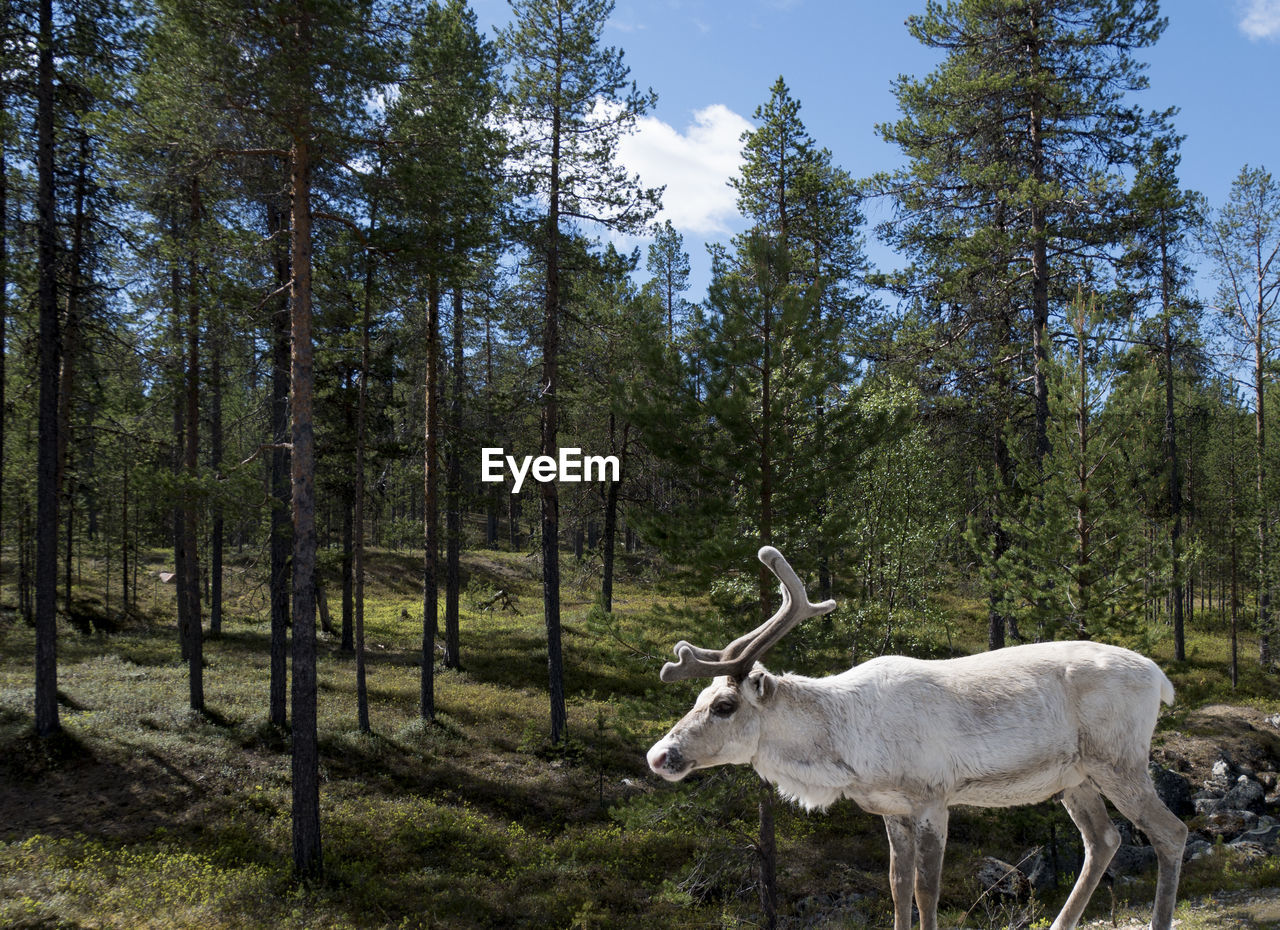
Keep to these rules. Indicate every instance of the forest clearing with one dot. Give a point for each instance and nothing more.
(144, 814)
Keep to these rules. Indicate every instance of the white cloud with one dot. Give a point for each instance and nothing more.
(1260, 19)
(695, 166)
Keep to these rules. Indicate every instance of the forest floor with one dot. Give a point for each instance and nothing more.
(145, 815)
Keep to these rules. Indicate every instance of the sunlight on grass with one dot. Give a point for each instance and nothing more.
(147, 815)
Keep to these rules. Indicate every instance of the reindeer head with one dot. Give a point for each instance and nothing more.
(724, 725)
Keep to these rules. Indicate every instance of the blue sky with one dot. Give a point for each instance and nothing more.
(712, 63)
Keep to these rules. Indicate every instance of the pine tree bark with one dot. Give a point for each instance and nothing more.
(348, 568)
(1260, 445)
(217, 528)
(181, 577)
(453, 495)
(1039, 252)
(357, 555)
(548, 498)
(4, 288)
(281, 495)
(430, 507)
(46, 581)
(190, 512)
(1173, 466)
(307, 861)
(491, 496)
(611, 514)
(70, 353)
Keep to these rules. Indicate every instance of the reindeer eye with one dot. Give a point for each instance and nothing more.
(723, 708)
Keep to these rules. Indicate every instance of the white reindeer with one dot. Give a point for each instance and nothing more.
(906, 739)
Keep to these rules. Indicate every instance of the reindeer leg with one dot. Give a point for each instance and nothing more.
(1101, 840)
(902, 867)
(1136, 798)
(931, 841)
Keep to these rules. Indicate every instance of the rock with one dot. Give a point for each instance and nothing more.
(1264, 834)
(1002, 878)
(1174, 790)
(1129, 860)
(1252, 853)
(1247, 795)
(1228, 823)
(1196, 849)
(1206, 805)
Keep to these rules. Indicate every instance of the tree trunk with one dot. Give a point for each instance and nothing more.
(362, 688)
(1039, 256)
(124, 536)
(767, 858)
(177, 452)
(549, 498)
(348, 557)
(281, 495)
(217, 530)
(1234, 557)
(611, 516)
(307, 862)
(453, 497)
(46, 659)
(766, 578)
(4, 291)
(191, 461)
(491, 496)
(1175, 492)
(430, 508)
(1260, 424)
(69, 497)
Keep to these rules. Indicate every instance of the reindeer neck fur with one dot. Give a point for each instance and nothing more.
(797, 751)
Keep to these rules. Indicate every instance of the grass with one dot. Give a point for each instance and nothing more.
(143, 814)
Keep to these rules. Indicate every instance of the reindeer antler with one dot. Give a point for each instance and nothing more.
(739, 656)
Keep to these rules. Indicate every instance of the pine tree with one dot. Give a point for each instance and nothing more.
(1242, 241)
(446, 170)
(570, 101)
(1074, 565)
(1014, 193)
(668, 262)
(1163, 217)
(46, 664)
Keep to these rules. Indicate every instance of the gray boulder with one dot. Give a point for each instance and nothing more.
(1174, 790)
(1245, 795)
(1228, 824)
(1130, 860)
(1001, 878)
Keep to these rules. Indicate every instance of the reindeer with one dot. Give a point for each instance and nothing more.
(907, 739)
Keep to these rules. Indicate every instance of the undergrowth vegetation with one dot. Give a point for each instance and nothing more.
(143, 815)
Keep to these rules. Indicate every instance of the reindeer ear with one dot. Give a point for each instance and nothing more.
(760, 684)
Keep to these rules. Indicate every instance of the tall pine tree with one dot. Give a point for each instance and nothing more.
(570, 101)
